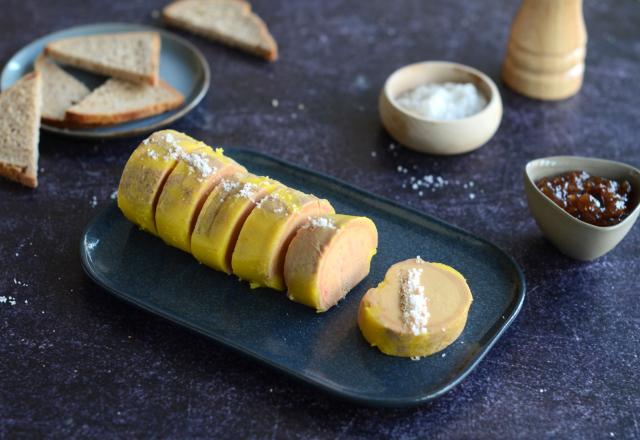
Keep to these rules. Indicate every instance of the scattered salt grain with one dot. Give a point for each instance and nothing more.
(93, 202)
(153, 154)
(275, 103)
(20, 283)
(374, 154)
(229, 185)
(445, 101)
(444, 354)
(301, 107)
(361, 83)
(472, 196)
(321, 222)
(413, 303)
(248, 191)
(114, 195)
(8, 300)
(199, 162)
(168, 137)
(276, 207)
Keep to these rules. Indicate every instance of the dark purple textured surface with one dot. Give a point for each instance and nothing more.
(76, 362)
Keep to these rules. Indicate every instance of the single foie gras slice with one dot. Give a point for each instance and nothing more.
(392, 320)
(186, 190)
(146, 172)
(328, 257)
(223, 215)
(261, 247)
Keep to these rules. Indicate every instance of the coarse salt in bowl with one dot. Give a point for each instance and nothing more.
(439, 107)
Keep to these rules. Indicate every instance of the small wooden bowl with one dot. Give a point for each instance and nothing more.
(439, 136)
(573, 237)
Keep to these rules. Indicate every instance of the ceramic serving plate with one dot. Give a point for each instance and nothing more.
(181, 65)
(325, 350)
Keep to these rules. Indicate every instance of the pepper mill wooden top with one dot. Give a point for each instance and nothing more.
(546, 50)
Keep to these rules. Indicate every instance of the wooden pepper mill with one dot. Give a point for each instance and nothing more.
(546, 51)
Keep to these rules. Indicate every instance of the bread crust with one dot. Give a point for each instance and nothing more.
(269, 54)
(152, 79)
(78, 120)
(18, 174)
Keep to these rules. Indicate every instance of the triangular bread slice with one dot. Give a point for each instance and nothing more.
(59, 91)
(132, 56)
(227, 21)
(118, 101)
(20, 130)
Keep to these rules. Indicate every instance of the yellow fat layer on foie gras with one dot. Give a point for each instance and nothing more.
(328, 257)
(185, 191)
(448, 299)
(260, 250)
(146, 172)
(223, 216)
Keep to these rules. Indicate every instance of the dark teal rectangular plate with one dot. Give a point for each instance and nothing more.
(325, 350)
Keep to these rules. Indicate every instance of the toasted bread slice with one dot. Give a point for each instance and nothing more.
(20, 130)
(118, 101)
(59, 91)
(227, 21)
(131, 56)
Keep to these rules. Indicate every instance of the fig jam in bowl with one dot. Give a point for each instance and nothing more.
(584, 206)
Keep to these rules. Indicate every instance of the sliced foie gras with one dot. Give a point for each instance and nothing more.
(223, 216)
(146, 172)
(328, 257)
(186, 190)
(260, 251)
(419, 309)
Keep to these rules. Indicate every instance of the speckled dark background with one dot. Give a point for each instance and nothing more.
(75, 362)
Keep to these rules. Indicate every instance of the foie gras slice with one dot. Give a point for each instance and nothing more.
(328, 257)
(419, 309)
(146, 172)
(261, 247)
(186, 190)
(223, 215)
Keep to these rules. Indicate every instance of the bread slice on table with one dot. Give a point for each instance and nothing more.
(228, 21)
(118, 101)
(59, 91)
(20, 130)
(132, 56)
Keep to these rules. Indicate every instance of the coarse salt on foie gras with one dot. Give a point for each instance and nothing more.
(328, 257)
(186, 190)
(223, 215)
(260, 250)
(419, 309)
(146, 172)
